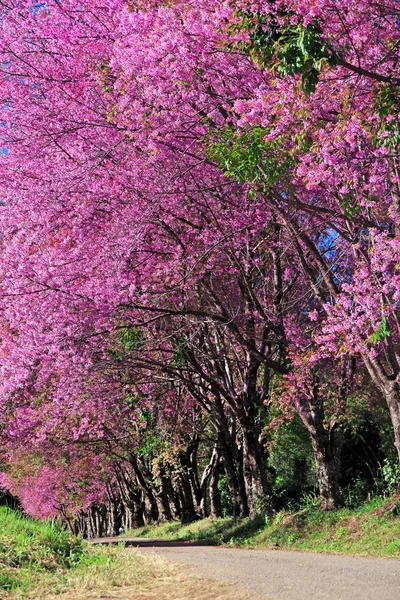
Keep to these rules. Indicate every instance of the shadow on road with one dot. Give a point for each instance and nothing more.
(144, 542)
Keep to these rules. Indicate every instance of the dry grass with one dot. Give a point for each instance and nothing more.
(181, 587)
(129, 576)
(41, 561)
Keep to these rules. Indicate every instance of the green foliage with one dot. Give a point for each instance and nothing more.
(26, 541)
(249, 157)
(126, 340)
(387, 104)
(356, 492)
(150, 440)
(349, 205)
(367, 444)
(389, 474)
(226, 500)
(107, 79)
(290, 50)
(302, 50)
(150, 443)
(131, 339)
(310, 501)
(387, 100)
(180, 347)
(292, 460)
(382, 332)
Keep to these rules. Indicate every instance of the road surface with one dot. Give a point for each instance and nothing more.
(280, 574)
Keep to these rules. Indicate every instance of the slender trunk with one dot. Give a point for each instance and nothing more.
(234, 479)
(252, 411)
(188, 511)
(232, 461)
(173, 498)
(137, 514)
(151, 507)
(215, 458)
(186, 492)
(215, 494)
(131, 494)
(189, 461)
(255, 471)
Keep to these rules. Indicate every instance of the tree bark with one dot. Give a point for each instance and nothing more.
(255, 471)
(327, 447)
(151, 507)
(232, 460)
(188, 512)
(390, 388)
(326, 442)
(164, 508)
(392, 396)
(215, 494)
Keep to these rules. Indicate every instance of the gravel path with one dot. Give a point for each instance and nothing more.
(283, 575)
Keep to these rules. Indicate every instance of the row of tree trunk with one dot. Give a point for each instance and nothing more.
(137, 497)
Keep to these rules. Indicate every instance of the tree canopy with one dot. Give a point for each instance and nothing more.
(200, 230)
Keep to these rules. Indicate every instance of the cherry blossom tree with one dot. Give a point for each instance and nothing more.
(198, 200)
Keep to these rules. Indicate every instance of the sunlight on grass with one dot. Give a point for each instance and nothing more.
(39, 559)
(371, 529)
(42, 561)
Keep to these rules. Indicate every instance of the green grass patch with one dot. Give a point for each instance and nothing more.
(206, 531)
(30, 549)
(43, 560)
(372, 529)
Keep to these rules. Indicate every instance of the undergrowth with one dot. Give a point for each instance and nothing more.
(41, 559)
(371, 529)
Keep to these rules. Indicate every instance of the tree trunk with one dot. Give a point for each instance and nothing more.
(215, 494)
(137, 516)
(390, 388)
(236, 487)
(255, 471)
(326, 440)
(164, 508)
(392, 396)
(232, 460)
(327, 447)
(188, 511)
(189, 465)
(204, 478)
(173, 498)
(144, 480)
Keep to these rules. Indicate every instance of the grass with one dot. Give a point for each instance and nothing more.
(373, 529)
(42, 560)
(29, 549)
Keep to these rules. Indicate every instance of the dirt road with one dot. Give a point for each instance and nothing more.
(282, 575)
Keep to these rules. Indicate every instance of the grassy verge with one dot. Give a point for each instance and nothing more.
(42, 560)
(372, 529)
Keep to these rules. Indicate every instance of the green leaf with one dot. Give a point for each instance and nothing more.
(382, 332)
(249, 157)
